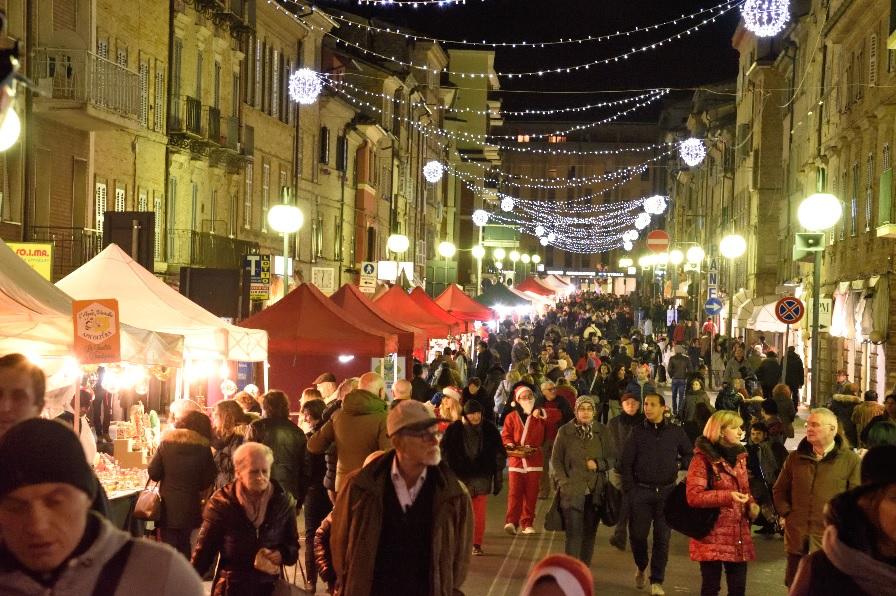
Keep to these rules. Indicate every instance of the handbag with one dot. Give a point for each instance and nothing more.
(553, 517)
(284, 587)
(611, 505)
(694, 522)
(149, 503)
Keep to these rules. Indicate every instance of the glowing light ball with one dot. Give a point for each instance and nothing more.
(642, 221)
(539, 230)
(627, 245)
(506, 204)
(765, 18)
(692, 151)
(544, 240)
(305, 86)
(480, 217)
(433, 171)
(655, 205)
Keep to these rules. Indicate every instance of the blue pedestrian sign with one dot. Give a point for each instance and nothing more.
(713, 306)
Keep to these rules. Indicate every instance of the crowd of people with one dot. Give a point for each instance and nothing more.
(599, 407)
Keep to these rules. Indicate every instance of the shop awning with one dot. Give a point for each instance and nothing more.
(352, 300)
(462, 306)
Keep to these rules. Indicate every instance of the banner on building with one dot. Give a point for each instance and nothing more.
(259, 267)
(97, 331)
(38, 255)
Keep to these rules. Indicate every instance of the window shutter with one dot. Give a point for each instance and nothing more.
(247, 202)
(869, 191)
(275, 85)
(872, 60)
(102, 48)
(157, 209)
(144, 94)
(341, 153)
(120, 198)
(324, 154)
(99, 205)
(142, 201)
(159, 108)
(265, 195)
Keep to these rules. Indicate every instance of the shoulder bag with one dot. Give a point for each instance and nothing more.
(149, 503)
(611, 504)
(694, 522)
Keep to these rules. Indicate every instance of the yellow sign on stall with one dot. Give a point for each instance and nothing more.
(97, 331)
(38, 255)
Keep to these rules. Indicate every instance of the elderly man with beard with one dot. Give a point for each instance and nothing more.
(404, 521)
(523, 434)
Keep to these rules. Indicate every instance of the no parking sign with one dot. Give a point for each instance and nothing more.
(790, 310)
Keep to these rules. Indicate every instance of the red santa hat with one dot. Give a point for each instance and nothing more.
(452, 391)
(520, 390)
(572, 576)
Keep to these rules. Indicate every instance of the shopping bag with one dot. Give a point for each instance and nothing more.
(149, 503)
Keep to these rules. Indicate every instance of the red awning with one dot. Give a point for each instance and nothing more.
(423, 299)
(535, 286)
(350, 298)
(305, 322)
(462, 306)
(403, 309)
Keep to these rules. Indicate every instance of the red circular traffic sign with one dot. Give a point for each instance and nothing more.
(658, 241)
(790, 310)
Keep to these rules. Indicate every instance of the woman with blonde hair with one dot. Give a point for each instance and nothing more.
(229, 423)
(717, 478)
(449, 408)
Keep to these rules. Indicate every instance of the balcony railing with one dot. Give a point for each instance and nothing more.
(185, 116)
(230, 135)
(201, 249)
(72, 247)
(82, 76)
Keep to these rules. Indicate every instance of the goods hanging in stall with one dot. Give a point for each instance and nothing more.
(462, 306)
(535, 286)
(351, 299)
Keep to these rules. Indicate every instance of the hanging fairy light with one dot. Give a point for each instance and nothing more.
(507, 204)
(480, 217)
(304, 86)
(655, 205)
(765, 18)
(642, 221)
(630, 235)
(544, 241)
(692, 151)
(539, 230)
(551, 237)
(433, 171)
(627, 245)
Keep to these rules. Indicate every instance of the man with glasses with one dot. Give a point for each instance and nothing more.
(557, 413)
(822, 466)
(404, 521)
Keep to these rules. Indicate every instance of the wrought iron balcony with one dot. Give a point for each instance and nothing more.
(189, 248)
(185, 116)
(83, 90)
(72, 247)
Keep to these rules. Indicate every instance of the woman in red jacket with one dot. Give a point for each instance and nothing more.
(717, 478)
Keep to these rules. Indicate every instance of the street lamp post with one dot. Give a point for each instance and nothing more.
(286, 219)
(514, 256)
(732, 246)
(447, 250)
(397, 244)
(478, 254)
(817, 213)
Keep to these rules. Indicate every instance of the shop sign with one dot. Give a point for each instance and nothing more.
(38, 255)
(259, 267)
(97, 331)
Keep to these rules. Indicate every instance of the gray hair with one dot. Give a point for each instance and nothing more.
(244, 453)
(372, 382)
(827, 415)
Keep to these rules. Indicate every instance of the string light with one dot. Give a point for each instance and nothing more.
(304, 86)
(627, 245)
(412, 3)
(765, 18)
(642, 221)
(507, 204)
(480, 217)
(692, 151)
(655, 205)
(544, 241)
(433, 171)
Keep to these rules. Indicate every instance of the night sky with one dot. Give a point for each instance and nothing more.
(701, 58)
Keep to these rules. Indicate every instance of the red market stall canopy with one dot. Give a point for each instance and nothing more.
(534, 285)
(462, 306)
(403, 309)
(352, 300)
(423, 300)
(305, 322)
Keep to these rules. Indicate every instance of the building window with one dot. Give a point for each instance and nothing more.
(259, 72)
(265, 195)
(120, 198)
(143, 113)
(869, 191)
(324, 153)
(247, 202)
(275, 85)
(142, 200)
(556, 139)
(522, 138)
(194, 206)
(100, 203)
(854, 201)
(199, 75)
(216, 98)
(213, 213)
(341, 153)
(158, 119)
(157, 225)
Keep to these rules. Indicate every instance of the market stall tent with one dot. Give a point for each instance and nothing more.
(144, 299)
(352, 300)
(462, 306)
(423, 300)
(533, 285)
(498, 295)
(36, 319)
(403, 309)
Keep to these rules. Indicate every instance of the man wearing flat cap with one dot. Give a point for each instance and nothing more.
(53, 543)
(404, 521)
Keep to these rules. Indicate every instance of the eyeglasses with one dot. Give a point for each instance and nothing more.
(424, 434)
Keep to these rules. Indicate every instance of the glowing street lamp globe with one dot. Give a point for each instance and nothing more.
(397, 243)
(539, 230)
(676, 257)
(625, 262)
(10, 130)
(305, 86)
(819, 212)
(733, 246)
(285, 219)
(478, 251)
(447, 249)
(536, 259)
(692, 151)
(433, 171)
(525, 258)
(627, 245)
(480, 217)
(514, 256)
(500, 253)
(695, 255)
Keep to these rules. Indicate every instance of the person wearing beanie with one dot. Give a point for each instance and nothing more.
(522, 436)
(559, 574)
(53, 543)
(583, 453)
(858, 549)
(620, 429)
(472, 449)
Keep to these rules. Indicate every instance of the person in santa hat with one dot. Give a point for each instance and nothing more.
(522, 435)
(559, 574)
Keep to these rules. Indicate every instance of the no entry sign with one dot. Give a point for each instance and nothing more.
(658, 241)
(790, 310)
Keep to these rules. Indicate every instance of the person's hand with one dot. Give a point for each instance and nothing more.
(539, 413)
(274, 556)
(592, 465)
(754, 511)
(739, 497)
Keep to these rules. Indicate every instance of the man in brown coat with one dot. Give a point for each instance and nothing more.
(403, 524)
(820, 468)
(358, 428)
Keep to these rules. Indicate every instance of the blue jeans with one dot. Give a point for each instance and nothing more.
(679, 386)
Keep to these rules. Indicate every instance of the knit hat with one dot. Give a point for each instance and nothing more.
(472, 407)
(877, 466)
(572, 576)
(452, 391)
(582, 399)
(38, 451)
(520, 390)
(627, 396)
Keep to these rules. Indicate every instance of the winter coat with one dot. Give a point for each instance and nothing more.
(357, 523)
(863, 414)
(787, 414)
(519, 353)
(227, 530)
(288, 442)
(729, 539)
(769, 372)
(484, 361)
(653, 455)
(569, 468)
(357, 430)
(531, 434)
(679, 367)
(184, 468)
(421, 390)
(482, 472)
(223, 456)
(151, 568)
(728, 399)
(558, 412)
(323, 556)
(638, 390)
(804, 487)
(620, 428)
(846, 563)
(689, 405)
(795, 375)
(842, 406)
(733, 369)
(330, 456)
(482, 399)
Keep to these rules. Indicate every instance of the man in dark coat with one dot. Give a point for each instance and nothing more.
(794, 375)
(421, 390)
(484, 360)
(769, 373)
(286, 440)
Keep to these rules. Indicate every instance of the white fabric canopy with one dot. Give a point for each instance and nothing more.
(36, 319)
(144, 299)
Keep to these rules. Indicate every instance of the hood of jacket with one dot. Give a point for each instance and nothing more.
(711, 450)
(184, 436)
(360, 402)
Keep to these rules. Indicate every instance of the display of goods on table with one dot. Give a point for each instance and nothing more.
(117, 480)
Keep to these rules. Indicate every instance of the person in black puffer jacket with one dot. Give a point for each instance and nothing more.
(251, 523)
(285, 439)
(317, 501)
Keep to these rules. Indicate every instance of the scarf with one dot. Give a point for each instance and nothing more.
(584, 431)
(873, 576)
(255, 505)
(729, 454)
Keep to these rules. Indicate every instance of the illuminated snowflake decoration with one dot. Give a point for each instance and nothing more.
(539, 230)
(627, 245)
(433, 171)
(305, 86)
(480, 217)
(765, 18)
(544, 241)
(642, 221)
(507, 204)
(692, 151)
(630, 235)
(655, 205)
(551, 237)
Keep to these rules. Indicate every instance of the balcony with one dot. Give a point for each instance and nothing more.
(189, 248)
(72, 247)
(85, 91)
(228, 152)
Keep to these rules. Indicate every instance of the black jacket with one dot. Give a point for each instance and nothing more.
(484, 361)
(621, 428)
(226, 530)
(654, 454)
(288, 443)
(795, 375)
(421, 390)
(482, 470)
(769, 372)
(184, 468)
